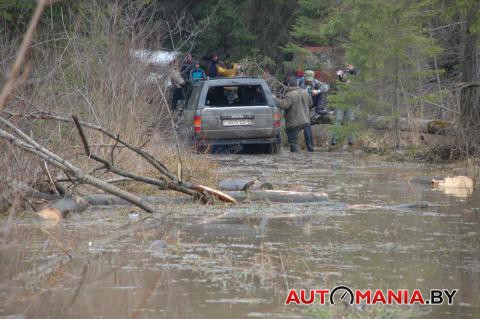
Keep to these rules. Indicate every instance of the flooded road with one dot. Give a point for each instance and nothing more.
(377, 231)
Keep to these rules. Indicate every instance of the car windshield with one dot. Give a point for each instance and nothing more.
(235, 95)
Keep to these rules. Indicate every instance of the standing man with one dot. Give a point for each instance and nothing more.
(212, 66)
(295, 105)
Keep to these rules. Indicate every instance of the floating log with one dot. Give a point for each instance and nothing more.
(61, 207)
(409, 125)
(278, 196)
(234, 184)
(111, 200)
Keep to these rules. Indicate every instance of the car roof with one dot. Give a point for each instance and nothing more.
(234, 81)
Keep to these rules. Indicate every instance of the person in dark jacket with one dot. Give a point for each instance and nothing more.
(296, 106)
(212, 66)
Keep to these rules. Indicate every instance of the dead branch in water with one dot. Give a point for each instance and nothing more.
(109, 166)
(174, 183)
(28, 144)
(171, 181)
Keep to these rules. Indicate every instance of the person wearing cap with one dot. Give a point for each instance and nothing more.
(296, 106)
(197, 74)
(318, 91)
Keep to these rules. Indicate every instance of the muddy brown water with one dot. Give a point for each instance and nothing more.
(239, 261)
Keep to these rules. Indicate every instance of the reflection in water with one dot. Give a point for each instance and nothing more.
(377, 231)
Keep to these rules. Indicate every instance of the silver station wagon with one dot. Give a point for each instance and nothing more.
(231, 112)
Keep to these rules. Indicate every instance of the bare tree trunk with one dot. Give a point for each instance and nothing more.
(470, 93)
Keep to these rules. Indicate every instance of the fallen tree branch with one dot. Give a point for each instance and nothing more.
(30, 145)
(57, 187)
(162, 184)
(172, 183)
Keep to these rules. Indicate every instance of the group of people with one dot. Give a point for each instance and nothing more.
(182, 79)
(306, 92)
(190, 72)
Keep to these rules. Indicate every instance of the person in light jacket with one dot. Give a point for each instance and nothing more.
(177, 83)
